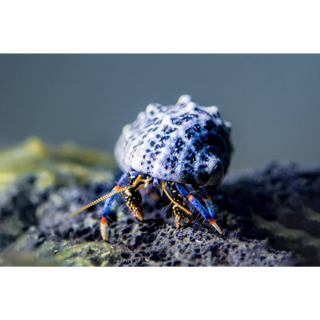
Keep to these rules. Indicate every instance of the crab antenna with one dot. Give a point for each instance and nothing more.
(102, 198)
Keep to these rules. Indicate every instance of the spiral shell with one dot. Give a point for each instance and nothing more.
(184, 143)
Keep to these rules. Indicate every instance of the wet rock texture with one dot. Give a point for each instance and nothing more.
(269, 218)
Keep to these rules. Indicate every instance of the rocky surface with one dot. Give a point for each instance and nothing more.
(269, 218)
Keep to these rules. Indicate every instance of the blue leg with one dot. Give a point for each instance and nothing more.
(210, 205)
(186, 194)
(107, 206)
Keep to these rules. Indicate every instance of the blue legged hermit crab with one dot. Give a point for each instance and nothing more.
(171, 147)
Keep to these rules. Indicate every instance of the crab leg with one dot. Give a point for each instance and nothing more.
(108, 204)
(185, 193)
(179, 214)
(133, 199)
(210, 205)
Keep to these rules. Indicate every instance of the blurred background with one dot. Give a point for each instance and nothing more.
(272, 101)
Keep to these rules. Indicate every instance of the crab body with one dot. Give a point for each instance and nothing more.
(172, 146)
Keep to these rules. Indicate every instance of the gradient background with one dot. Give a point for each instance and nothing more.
(272, 101)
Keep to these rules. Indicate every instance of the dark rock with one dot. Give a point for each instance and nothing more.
(269, 218)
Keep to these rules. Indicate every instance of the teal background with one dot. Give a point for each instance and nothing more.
(272, 101)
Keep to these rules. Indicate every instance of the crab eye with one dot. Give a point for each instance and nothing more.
(216, 174)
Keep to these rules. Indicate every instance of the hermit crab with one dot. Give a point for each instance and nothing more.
(179, 149)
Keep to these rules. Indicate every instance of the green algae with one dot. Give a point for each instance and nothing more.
(49, 166)
(52, 164)
(77, 253)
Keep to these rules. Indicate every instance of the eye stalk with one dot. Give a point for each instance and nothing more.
(216, 174)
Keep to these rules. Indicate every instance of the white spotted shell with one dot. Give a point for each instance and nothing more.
(183, 143)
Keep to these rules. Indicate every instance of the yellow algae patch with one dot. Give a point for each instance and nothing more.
(52, 163)
(65, 253)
